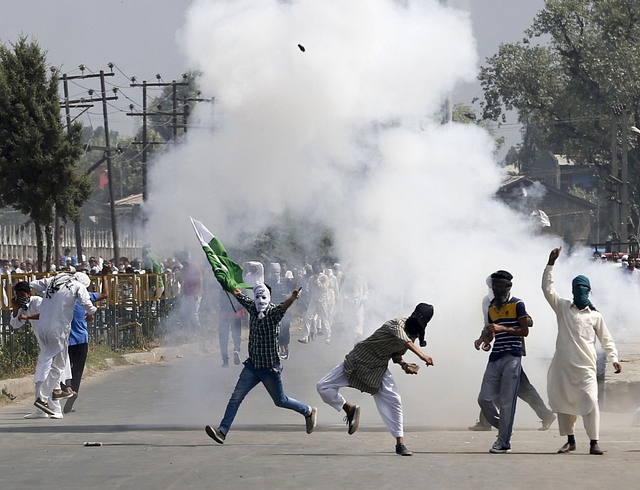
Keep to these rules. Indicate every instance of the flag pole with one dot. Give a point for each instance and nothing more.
(231, 302)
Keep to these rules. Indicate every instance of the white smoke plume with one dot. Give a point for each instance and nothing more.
(345, 134)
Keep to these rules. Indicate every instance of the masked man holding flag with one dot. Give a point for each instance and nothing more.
(263, 364)
(572, 383)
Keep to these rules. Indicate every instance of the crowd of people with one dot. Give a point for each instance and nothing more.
(67, 262)
(629, 264)
(329, 299)
(326, 297)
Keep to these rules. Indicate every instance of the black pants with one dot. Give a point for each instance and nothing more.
(226, 325)
(77, 358)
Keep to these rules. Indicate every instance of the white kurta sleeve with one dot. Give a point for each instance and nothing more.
(606, 340)
(14, 322)
(40, 285)
(550, 293)
(85, 300)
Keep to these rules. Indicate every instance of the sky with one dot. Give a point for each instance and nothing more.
(140, 37)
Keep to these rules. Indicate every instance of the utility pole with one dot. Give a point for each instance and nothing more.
(174, 120)
(613, 178)
(87, 103)
(114, 223)
(616, 183)
(447, 106)
(619, 177)
(186, 108)
(624, 175)
(145, 192)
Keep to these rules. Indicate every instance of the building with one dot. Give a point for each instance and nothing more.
(570, 216)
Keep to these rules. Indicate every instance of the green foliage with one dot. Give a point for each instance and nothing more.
(38, 158)
(289, 238)
(126, 162)
(101, 357)
(24, 346)
(466, 114)
(566, 88)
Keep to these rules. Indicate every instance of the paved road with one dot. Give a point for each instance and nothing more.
(151, 419)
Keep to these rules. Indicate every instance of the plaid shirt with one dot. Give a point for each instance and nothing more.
(263, 334)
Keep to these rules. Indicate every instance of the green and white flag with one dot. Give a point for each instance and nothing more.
(227, 272)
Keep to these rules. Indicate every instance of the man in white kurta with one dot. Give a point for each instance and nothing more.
(355, 292)
(316, 318)
(572, 385)
(59, 296)
(25, 307)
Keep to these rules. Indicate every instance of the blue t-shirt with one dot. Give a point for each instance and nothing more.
(79, 333)
(508, 315)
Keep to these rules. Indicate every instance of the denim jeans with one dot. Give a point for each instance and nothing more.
(528, 394)
(501, 382)
(271, 378)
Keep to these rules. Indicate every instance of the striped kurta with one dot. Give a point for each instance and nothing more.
(367, 363)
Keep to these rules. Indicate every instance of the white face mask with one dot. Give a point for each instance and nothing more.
(262, 298)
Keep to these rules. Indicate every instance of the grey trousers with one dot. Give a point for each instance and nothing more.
(528, 394)
(501, 382)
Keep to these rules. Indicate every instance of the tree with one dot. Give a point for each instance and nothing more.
(38, 159)
(466, 114)
(566, 88)
(288, 237)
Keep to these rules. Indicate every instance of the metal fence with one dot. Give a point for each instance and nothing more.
(128, 318)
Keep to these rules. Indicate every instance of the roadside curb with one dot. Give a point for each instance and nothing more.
(18, 387)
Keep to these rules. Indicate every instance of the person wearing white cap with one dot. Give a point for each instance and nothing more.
(253, 272)
(316, 318)
(59, 296)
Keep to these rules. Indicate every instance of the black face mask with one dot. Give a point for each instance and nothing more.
(412, 327)
(23, 301)
(501, 294)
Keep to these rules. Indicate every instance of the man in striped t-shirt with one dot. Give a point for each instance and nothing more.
(508, 322)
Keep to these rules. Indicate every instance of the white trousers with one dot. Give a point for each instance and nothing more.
(189, 308)
(319, 311)
(54, 376)
(591, 421)
(387, 398)
(53, 404)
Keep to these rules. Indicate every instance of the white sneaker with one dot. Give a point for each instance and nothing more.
(57, 415)
(38, 414)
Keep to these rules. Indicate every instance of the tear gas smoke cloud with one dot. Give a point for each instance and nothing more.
(345, 134)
